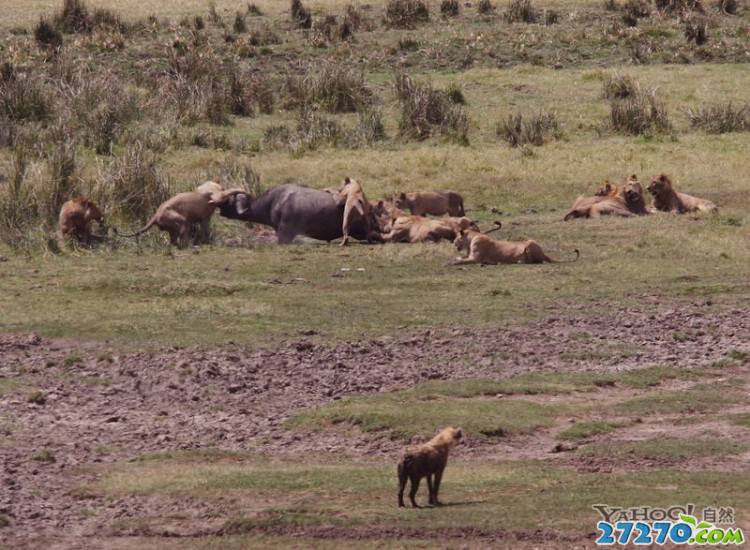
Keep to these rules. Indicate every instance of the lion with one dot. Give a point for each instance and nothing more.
(431, 202)
(611, 200)
(667, 199)
(427, 460)
(352, 196)
(76, 217)
(485, 250)
(419, 229)
(385, 213)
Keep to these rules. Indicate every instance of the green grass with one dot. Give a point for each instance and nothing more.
(741, 420)
(406, 414)
(665, 449)
(487, 495)
(701, 398)
(585, 430)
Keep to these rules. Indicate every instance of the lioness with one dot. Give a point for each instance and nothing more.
(667, 199)
(486, 250)
(352, 196)
(418, 229)
(431, 202)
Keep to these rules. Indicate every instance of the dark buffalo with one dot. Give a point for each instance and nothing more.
(295, 210)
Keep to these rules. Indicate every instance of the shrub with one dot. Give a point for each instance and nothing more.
(611, 5)
(213, 15)
(696, 30)
(199, 23)
(315, 130)
(455, 94)
(73, 17)
(107, 19)
(335, 87)
(18, 208)
(25, 98)
(237, 172)
(406, 14)
(521, 11)
(619, 86)
(485, 7)
(425, 111)
(264, 35)
(249, 93)
(57, 181)
(449, 8)
(369, 129)
(277, 136)
(519, 129)
(132, 184)
(352, 18)
(254, 11)
(640, 113)
(301, 16)
(720, 118)
(240, 26)
(46, 35)
(679, 6)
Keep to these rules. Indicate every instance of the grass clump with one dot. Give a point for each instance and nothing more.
(301, 16)
(46, 34)
(426, 111)
(44, 455)
(679, 6)
(334, 87)
(486, 7)
(643, 112)
(619, 86)
(696, 30)
(37, 398)
(521, 11)
(701, 398)
(449, 8)
(536, 129)
(406, 14)
(720, 118)
(132, 184)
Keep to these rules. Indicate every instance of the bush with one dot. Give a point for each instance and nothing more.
(449, 8)
(25, 98)
(720, 118)
(46, 35)
(335, 87)
(18, 209)
(254, 11)
(640, 113)
(519, 129)
(213, 15)
(352, 18)
(370, 129)
(314, 131)
(240, 25)
(485, 7)
(58, 180)
(680, 6)
(696, 30)
(132, 184)
(199, 23)
(425, 111)
(301, 16)
(406, 14)
(238, 173)
(619, 86)
(521, 11)
(73, 17)
(249, 93)
(455, 94)
(264, 35)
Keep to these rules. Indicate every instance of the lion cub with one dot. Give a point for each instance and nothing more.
(427, 460)
(75, 220)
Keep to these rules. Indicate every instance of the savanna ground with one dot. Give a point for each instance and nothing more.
(241, 394)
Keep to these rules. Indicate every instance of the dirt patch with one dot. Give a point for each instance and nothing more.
(100, 406)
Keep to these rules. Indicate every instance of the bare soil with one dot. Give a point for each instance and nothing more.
(102, 406)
